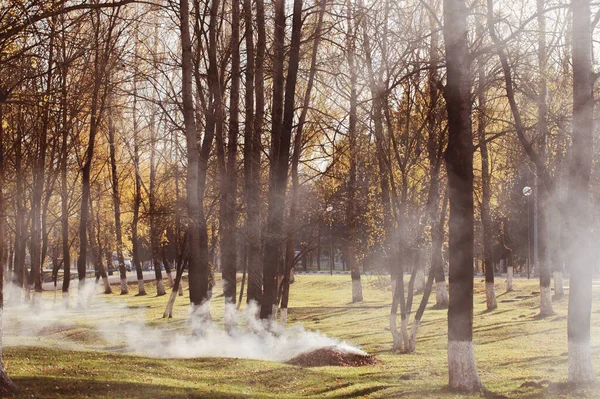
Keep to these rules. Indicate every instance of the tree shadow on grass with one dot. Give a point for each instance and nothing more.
(567, 390)
(53, 387)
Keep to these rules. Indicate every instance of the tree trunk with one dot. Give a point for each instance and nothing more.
(395, 267)
(87, 166)
(486, 221)
(64, 190)
(198, 256)
(459, 163)
(176, 285)
(19, 266)
(253, 146)
(155, 232)
(137, 199)
(228, 178)
(542, 192)
(298, 143)
(580, 238)
(437, 241)
(280, 149)
(276, 194)
(6, 384)
(546, 185)
(38, 180)
(357, 295)
(94, 233)
(165, 260)
(117, 204)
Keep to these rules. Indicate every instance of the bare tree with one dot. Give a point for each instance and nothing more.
(282, 116)
(459, 164)
(580, 289)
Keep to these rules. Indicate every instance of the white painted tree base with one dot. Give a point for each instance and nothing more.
(404, 330)
(490, 296)
(107, 289)
(509, 279)
(357, 295)
(124, 288)
(141, 289)
(558, 285)
(413, 335)
(283, 313)
(462, 370)
(441, 293)
(546, 302)
(397, 344)
(581, 369)
(160, 287)
(169, 309)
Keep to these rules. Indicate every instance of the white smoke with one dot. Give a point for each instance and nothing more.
(113, 326)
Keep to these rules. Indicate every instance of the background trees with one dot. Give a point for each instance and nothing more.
(308, 136)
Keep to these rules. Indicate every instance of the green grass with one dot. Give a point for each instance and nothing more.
(512, 347)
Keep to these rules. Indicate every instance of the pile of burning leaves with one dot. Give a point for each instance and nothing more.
(332, 356)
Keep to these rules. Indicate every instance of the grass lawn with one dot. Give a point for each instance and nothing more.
(518, 355)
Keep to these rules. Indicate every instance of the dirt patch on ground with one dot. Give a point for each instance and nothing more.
(331, 356)
(71, 333)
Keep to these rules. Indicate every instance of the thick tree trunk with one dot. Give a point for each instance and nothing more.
(198, 248)
(253, 146)
(276, 194)
(280, 149)
(459, 163)
(6, 384)
(580, 246)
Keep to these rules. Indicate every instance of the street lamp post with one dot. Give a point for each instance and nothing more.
(527, 191)
(331, 256)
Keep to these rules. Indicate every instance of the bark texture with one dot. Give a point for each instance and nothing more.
(459, 164)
